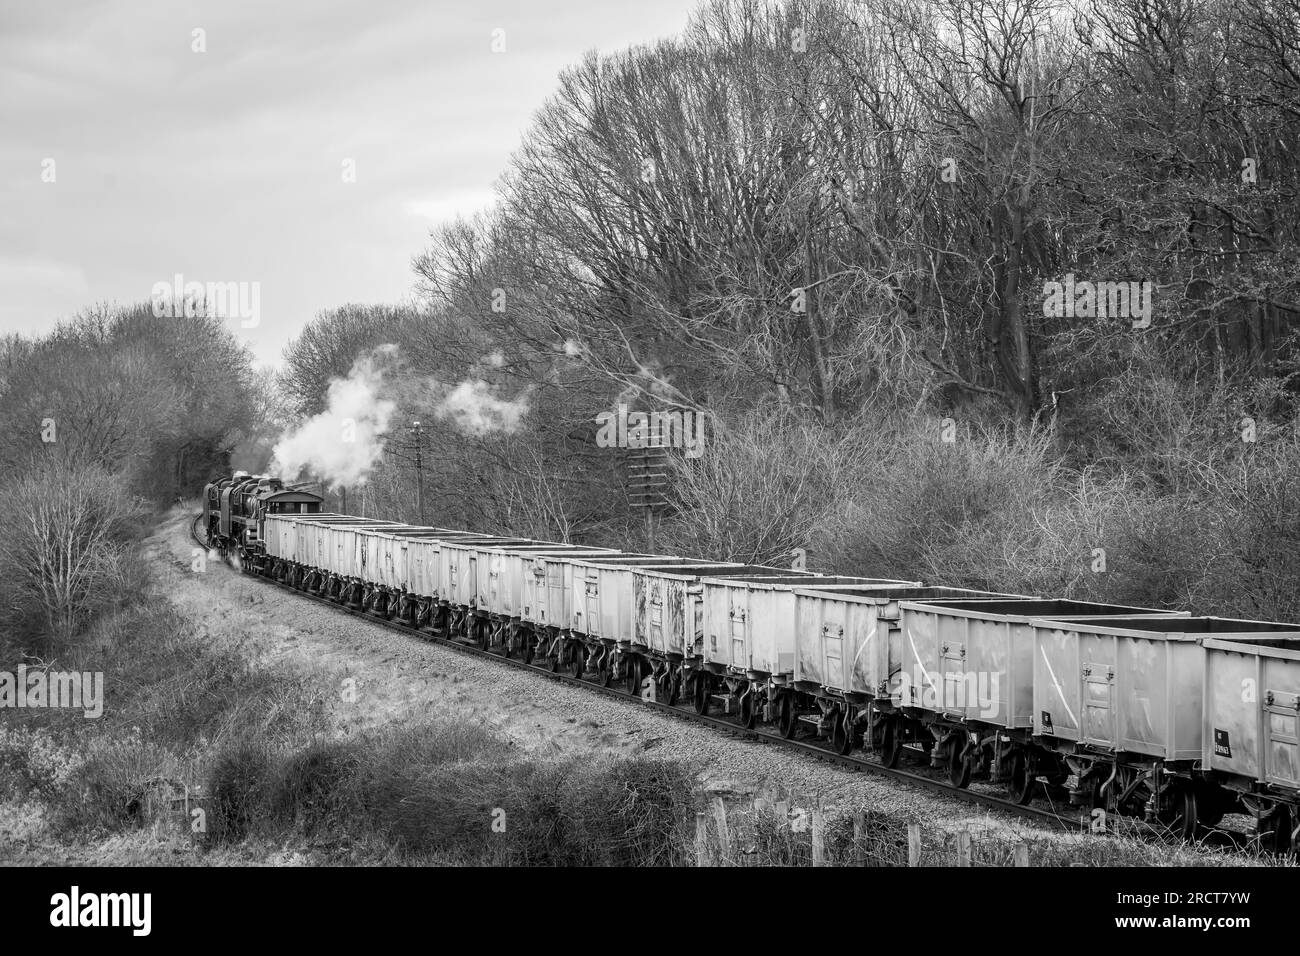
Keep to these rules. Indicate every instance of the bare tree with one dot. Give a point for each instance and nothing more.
(63, 543)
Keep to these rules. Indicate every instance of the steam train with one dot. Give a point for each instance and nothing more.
(234, 508)
(1175, 718)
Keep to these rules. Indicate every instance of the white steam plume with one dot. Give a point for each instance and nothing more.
(474, 410)
(342, 443)
(345, 442)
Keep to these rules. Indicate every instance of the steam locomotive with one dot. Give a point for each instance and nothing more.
(235, 507)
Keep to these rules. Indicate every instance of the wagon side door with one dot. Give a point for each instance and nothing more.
(586, 599)
(736, 652)
(494, 587)
(651, 593)
(553, 609)
(953, 635)
(833, 645)
(1097, 686)
(1282, 729)
(687, 614)
(713, 622)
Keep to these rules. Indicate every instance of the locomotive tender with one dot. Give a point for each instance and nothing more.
(1159, 714)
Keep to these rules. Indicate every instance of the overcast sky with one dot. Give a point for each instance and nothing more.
(227, 165)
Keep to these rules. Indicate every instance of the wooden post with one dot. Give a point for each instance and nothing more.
(859, 840)
(818, 837)
(963, 848)
(701, 839)
(724, 835)
(914, 844)
(1022, 854)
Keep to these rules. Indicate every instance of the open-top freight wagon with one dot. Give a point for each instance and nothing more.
(1157, 713)
(1120, 704)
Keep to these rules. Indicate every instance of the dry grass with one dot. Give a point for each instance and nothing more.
(786, 833)
(454, 793)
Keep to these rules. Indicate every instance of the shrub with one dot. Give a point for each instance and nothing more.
(761, 485)
(63, 547)
(106, 789)
(238, 787)
(437, 790)
(33, 763)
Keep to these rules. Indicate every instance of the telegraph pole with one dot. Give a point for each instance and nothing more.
(419, 471)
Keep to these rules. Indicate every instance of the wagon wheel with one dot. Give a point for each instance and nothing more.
(788, 716)
(674, 687)
(605, 670)
(1209, 811)
(1275, 832)
(749, 709)
(1023, 778)
(842, 732)
(633, 676)
(578, 664)
(702, 693)
(527, 647)
(1179, 811)
(959, 766)
(891, 742)
(484, 633)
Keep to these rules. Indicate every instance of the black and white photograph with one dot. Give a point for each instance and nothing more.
(487, 435)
